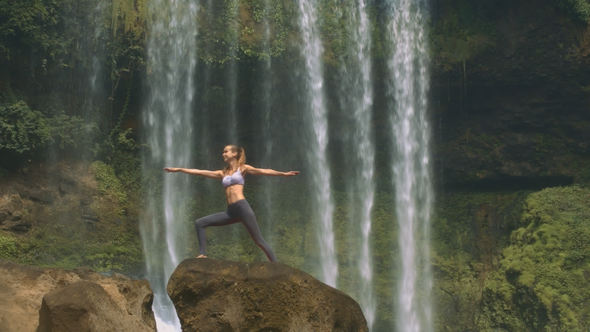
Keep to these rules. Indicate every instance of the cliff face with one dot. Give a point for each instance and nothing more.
(510, 94)
(69, 214)
(213, 295)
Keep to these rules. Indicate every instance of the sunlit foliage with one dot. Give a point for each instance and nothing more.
(542, 282)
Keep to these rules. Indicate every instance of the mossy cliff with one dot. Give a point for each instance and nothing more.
(68, 215)
(510, 92)
(513, 261)
(542, 279)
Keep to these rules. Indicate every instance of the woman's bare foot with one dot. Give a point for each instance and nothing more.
(201, 256)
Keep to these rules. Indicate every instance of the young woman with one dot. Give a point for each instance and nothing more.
(238, 209)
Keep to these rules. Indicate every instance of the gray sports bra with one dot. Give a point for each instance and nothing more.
(230, 180)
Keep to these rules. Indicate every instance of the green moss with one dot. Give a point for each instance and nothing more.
(118, 254)
(8, 247)
(542, 281)
(129, 16)
(102, 234)
(461, 33)
(108, 183)
(116, 249)
(469, 230)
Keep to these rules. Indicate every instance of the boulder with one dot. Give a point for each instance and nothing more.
(214, 295)
(99, 300)
(85, 306)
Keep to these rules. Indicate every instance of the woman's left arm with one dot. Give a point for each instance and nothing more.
(266, 171)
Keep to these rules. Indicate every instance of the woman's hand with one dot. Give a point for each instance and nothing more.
(171, 169)
(291, 173)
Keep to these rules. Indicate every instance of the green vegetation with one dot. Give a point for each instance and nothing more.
(58, 246)
(579, 9)
(513, 261)
(129, 17)
(108, 183)
(25, 133)
(9, 248)
(48, 49)
(30, 25)
(462, 33)
(542, 280)
(468, 233)
(99, 231)
(234, 30)
(22, 129)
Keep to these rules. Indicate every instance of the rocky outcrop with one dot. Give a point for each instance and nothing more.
(37, 299)
(30, 198)
(213, 295)
(86, 306)
(69, 214)
(510, 95)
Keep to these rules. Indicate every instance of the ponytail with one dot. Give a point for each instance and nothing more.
(241, 156)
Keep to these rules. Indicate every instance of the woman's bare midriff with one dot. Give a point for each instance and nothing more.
(234, 193)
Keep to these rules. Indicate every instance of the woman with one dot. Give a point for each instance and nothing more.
(238, 209)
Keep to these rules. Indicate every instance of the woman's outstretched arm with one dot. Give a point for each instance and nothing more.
(265, 171)
(201, 172)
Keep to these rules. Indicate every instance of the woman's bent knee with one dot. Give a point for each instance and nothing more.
(200, 223)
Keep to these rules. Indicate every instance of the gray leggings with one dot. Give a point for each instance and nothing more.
(236, 212)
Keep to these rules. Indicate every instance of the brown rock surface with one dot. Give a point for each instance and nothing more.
(213, 295)
(22, 289)
(85, 306)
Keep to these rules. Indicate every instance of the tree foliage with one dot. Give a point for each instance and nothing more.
(579, 9)
(22, 129)
(25, 132)
(28, 24)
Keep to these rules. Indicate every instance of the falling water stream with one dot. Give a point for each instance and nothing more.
(317, 119)
(266, 104)
(408, 87)
(356, 101)
(365, 150)
(168, 129)
(232, 78)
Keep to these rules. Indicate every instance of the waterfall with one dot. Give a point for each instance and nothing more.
(94, 45)
(98, 36)
(167, 123)
(356, 104)
(408, 87)
(232, 78)
(364, 186)
(267, 124)
(231, 82)
(203, 126)
(317, 143)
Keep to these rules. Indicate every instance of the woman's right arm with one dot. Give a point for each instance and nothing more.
(201, 172)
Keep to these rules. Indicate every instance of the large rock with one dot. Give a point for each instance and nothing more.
(72, 298)
(213, 295)
(85, 306)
